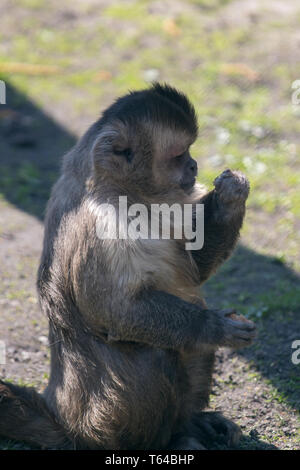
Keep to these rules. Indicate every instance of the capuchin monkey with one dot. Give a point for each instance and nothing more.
(132, 340)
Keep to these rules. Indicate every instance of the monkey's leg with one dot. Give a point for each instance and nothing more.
(158, 393)
(209, 428)
(198, 368)
(124, 396)
(24, 416)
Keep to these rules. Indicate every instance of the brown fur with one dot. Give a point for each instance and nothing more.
(132, 343)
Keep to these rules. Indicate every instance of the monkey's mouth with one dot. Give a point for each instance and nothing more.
(188, 185)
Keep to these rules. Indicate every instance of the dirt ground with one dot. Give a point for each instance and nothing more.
(247, 122)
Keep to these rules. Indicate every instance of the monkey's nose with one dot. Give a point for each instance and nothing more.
(194, 168)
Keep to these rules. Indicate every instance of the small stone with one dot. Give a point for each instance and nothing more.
(43, 340)
(25, 356)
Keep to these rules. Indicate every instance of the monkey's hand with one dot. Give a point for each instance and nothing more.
(234, 331)
(231, 191)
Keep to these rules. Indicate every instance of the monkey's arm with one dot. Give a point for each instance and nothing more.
(165, 321)
(224, 210)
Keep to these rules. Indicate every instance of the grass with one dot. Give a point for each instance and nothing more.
(244, 106)
(238, 126)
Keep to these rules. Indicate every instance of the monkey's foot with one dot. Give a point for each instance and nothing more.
(215, 428)
(186, 443)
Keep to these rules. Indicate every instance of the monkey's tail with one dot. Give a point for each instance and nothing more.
(25, 416)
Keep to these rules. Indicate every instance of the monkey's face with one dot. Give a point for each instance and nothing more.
(176, 167)
(144, 141)
(159, 159)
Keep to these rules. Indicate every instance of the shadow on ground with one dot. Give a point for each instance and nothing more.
(267, 291)
(31, 146)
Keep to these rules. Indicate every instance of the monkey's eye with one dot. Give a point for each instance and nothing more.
(126, 153)
(179, 158)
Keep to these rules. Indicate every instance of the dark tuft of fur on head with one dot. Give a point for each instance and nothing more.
(160, 103)
(178, 99)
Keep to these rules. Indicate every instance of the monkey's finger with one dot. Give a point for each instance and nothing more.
(244, 342)
(245, 333)
(239, 343)
(237, 321)
(225, 174)
(227, 311)
(242, 325)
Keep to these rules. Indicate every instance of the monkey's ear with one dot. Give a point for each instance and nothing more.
(109, 139)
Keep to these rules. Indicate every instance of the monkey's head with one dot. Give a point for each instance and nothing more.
(144, 140)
